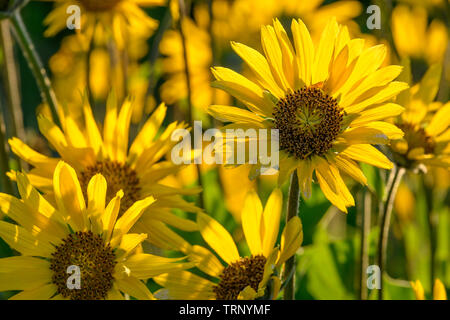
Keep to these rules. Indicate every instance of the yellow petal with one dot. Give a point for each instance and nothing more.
(440, 121)
(271, 221)
(251, 222)
(291, 239)
(129, 218)
(243, 89)
(69, 197)
(44, 292)
(384, 111)
(144, 266)
(418, 290)
(368, 154)
(96, 192)
(258, 64)
(351, 168)
(248, 293)
(376, 95)
(129, 243)
(148, 132)
(324, 52)
(184, 280)
(304, 174)
(134, 287)
(217, 238)
(110, 216)
(233, 114)
(21, 240)
(24, 273)
(205, 260)
(439, 292)
(304, 49)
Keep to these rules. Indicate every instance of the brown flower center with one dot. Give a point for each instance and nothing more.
(309, 121)
(95, 260)
(99, 5)
(118, 176)
(417, 137)
(238, 275)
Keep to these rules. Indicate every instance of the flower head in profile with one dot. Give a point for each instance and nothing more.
(328, 101)
(439, 292)
(414, 38)
(249, 277)
(117, 19)
(54, 241)
(135, 169)
(425, 122)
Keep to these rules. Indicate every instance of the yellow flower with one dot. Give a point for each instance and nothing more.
(231, 18)
(439, 292)
(425, 123)
(136, 170)
(199, 55)
(118, 19)
(414, 38)
(53, 239)
(327, 101)
(242, 277)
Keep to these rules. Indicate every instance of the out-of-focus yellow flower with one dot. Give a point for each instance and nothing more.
(69, 67)
(405, 203)
(242, 277)
(199, 56)
(439, 292)
(85, 232)
(414, 38)
(429, 4)
(424, 122)
(117, 19)
(136, 169)
(241, 20)
(328, 101)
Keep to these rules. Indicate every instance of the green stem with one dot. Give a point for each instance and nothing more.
(432, 223)
(35, 64)
(395, 178)
(14, 116)
(4, 164)
(182, 8)
(364, 253)
(292, 211)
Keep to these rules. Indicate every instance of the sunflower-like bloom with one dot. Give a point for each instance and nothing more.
(243, 277)
(438, 290)
(118, 19)
(327, 101)
(55, 241)
(425, 123)
(414, 38)
(136, 170)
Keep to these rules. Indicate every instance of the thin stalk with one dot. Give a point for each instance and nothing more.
(364, 253)
(395, 178)
(11, 81)
(432, 223)
(13, 112)
(35, 64)
(292, 211)
(4, 164)
(182, 8)
(88, 73)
